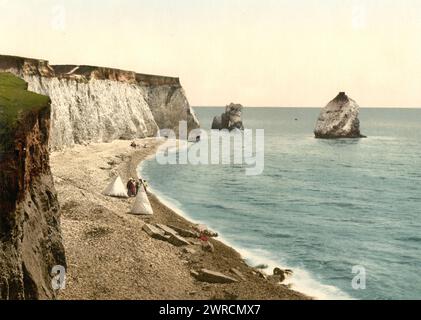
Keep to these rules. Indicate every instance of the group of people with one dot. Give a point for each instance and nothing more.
(135, 145)
(133, 186)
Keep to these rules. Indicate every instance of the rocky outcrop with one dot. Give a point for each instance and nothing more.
(169, 106)
(165, 233)
(30, 239)
(230, 119)
(96, 104)
(339, 119)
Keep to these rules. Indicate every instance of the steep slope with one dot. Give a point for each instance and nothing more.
(30, 239)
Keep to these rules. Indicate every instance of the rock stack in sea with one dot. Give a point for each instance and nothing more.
(339, 119)
(230, 119)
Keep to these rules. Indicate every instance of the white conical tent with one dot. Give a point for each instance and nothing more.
(142, 205)
(116, 188)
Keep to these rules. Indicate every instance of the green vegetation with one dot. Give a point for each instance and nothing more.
(15, 101)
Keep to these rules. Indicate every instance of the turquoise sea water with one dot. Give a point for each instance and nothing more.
(321, 206)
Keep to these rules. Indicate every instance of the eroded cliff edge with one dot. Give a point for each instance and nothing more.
(30, 237)
(96, 104)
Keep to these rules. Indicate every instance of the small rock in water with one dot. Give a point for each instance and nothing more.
(278, 271)
(261, 266)
(280, 275)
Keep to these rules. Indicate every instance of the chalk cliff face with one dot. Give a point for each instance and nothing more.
(339, 119)
(95, 110)
(169, 106)
(94, 104)
(30, 239)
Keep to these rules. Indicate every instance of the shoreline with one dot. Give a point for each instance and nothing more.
(307, 285)
(110, 256)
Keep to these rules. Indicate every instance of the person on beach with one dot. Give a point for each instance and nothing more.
(141, 184)
(138, 184)
(131, 188)
(145, 185)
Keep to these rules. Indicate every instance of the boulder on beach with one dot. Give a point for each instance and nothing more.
(279, 275)
(339, 119)
(214, 277)
(184, 232)
(230, 119)
(154, 232)
(167, 230)
(178, 241)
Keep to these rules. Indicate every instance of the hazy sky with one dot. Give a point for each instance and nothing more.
(255, 52)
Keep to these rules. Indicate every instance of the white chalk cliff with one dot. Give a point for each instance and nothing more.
(339, 119)
(95, 104)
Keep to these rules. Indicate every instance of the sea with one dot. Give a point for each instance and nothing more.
(344, 215)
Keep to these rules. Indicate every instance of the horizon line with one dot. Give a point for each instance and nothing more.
(310, 107)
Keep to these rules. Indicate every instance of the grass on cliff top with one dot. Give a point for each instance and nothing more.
(15, 101)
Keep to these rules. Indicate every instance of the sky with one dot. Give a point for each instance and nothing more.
(254, 52)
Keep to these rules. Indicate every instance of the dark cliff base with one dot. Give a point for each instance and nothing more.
(30, 239)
